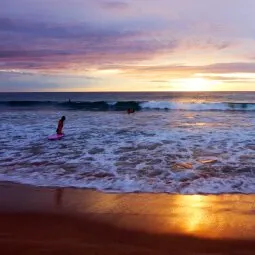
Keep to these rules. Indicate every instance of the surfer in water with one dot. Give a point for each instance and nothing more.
(130, 110)
(60, 125)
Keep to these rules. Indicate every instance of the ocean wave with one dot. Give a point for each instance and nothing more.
(137, 105)
(224, 106)
(185, 153)
(70, 105)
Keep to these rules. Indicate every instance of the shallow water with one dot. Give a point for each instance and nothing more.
(152, 150)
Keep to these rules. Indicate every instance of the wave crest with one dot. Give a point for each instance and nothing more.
(124, 105)
(164, 105)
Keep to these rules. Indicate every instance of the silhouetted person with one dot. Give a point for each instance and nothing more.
(60, 125)
(130, 110)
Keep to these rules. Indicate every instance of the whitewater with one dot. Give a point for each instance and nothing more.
(182, 143)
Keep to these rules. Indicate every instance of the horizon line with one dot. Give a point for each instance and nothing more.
(165, 91)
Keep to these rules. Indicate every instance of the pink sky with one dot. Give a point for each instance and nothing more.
(142, 45)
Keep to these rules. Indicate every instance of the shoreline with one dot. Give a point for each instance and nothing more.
(37, 220)
(125, 192)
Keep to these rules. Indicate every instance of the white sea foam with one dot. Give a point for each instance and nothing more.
(198, 106)
(176, 152)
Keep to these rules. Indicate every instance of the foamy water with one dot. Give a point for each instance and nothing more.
(191, 151)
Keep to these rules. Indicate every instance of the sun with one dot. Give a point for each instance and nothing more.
(195, 84)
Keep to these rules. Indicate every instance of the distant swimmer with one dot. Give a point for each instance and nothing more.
(130, 110)
(60, 125)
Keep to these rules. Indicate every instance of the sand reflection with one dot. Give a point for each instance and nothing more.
(214, 216)
(198, 215)
(193, 213)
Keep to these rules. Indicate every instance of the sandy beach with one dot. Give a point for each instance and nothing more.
(72, 221)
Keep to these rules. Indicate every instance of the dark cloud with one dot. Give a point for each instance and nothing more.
(59, 31)
(34, 28)
(114, 5)
(38, 45)
(30, 54)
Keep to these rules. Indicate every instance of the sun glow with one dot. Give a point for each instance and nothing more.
(105, 72)
(195, 84)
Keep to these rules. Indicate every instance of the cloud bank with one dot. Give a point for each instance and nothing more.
(146, 40)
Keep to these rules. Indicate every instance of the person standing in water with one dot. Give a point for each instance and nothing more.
(130, 110)
(60, 125)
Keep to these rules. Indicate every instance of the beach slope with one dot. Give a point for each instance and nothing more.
(72, 221)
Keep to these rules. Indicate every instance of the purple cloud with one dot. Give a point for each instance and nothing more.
(240, 67)
(114, 5)
(32, 45)
(38, 45)
(185, 70)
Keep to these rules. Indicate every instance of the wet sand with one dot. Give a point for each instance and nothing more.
(73, 221)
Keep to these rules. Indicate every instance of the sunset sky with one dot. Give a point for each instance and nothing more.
(131, 45)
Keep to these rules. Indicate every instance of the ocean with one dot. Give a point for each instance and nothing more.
(175, 142)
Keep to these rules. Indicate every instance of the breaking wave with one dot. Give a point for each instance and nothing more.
(124, 105)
